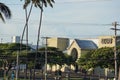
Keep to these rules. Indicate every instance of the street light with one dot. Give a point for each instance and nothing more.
(115, 52)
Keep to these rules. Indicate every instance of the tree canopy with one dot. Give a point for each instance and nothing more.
(8, 51)
(39, 3)
(102, 57)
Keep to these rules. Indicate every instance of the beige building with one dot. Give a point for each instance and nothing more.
(108, 41)
(80, 46)
(60, 43)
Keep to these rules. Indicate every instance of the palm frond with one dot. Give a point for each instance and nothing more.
(27, 2)
(38, 3)
(2, 17)
(5, 11)
(50, 2)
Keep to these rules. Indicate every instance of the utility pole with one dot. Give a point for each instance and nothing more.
(17, 66)
(1, 40)
(115, 52)
(45, 57)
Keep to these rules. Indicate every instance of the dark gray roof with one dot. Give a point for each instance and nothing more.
(86, 44)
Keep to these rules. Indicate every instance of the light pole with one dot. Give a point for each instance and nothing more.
(115, 52)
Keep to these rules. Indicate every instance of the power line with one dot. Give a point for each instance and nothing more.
(14, 4)
(83, 1)
(64, 2)
(60, 23)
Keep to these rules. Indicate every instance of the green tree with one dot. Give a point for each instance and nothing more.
(54, 56)
(8, 54)
(4, 12)
(102, 57)
(9, 51)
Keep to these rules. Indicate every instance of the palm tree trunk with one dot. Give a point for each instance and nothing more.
(27, 19)
(26, 44)
(38, 39)
(119, 73)
(25, 28)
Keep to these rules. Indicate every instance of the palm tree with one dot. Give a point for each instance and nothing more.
(36, 3)
(4, 12)
(40, 4)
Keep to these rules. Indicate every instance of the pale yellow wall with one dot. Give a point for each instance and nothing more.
(74, 45)
(63, 43)
(106, 41)
(52, 42)
(60, 43)
(109, 72)
(79, 50)
(53, 67)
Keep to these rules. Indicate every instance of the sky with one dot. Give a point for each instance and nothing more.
(67, 18)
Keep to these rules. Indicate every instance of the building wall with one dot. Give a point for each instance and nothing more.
(60, 43)
(80, 51)
(52, 42)
(16, 39)
(74, 46)
(106, 41)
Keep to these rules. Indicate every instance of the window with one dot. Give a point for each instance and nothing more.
(74, 54)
